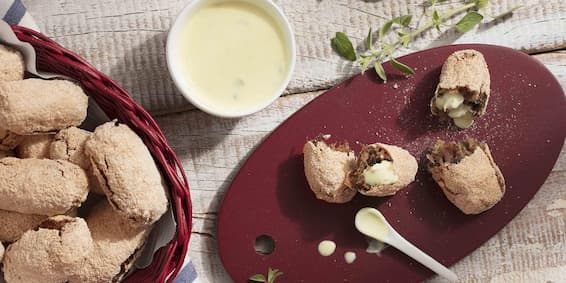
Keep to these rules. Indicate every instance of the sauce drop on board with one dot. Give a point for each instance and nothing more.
(349, 257)
(326, 248)
(234, 55)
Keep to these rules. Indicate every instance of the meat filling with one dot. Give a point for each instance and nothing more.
(369, 156)
(451, 152)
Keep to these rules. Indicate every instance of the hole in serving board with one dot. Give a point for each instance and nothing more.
(264, 245)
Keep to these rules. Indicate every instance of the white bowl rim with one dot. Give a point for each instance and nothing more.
(175, 74)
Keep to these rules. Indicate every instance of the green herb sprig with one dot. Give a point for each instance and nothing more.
(272, 274)
(373, 57)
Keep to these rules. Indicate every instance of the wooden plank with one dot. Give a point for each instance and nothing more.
(213, 149)
(127, 40)
(552, 274)
(555, 62)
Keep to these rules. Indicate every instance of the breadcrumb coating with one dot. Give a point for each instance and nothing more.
(14, 224)
(49, 254)
(1, 251)
(127, 173)
(9, 140)
(25, 108)
(467, 174)
(41, 186)
(69, 144)
(326, 167)
(116, 244)
(12, 64)
(34, 146)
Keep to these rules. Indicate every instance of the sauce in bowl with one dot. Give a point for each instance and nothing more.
(230, 58)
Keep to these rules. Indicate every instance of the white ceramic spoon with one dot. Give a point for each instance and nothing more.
(370, 222)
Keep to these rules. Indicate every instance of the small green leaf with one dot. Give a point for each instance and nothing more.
(364, 63)
(435, 16)
(380, 71)
(405, 39)
(369, 39)
(468, 22)
(386, 49)
(343, 46)
(403, 20)
(508, 12)
(401, 67)
(272, 274)
(385, 29)
(480, 4)
(257, 278)
(436, 19)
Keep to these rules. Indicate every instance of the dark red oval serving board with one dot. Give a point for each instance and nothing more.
(525, 127)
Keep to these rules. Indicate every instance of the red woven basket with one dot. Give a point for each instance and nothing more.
(117, 104)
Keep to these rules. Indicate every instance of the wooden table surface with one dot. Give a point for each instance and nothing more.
(126, 39)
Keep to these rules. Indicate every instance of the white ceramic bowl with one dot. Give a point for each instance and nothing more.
(183, 82)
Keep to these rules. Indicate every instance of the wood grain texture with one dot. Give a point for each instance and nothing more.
(126, 39)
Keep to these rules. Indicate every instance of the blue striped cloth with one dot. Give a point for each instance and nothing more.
(14, 12)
